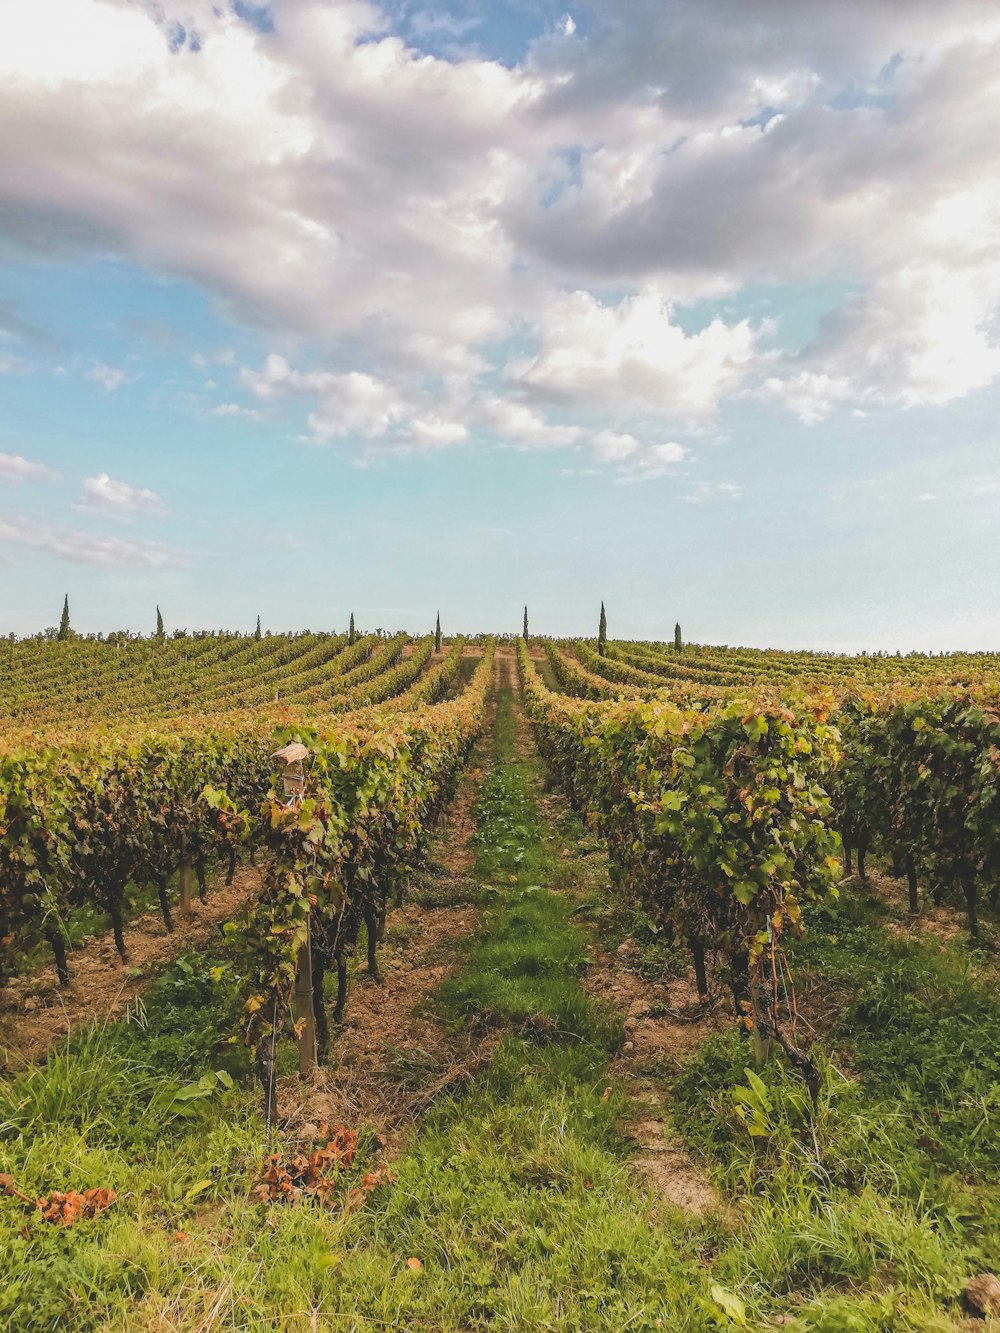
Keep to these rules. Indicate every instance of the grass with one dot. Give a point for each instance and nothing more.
(874, 1215)
(114, 1107)
(516, 1206)
(516, 1197)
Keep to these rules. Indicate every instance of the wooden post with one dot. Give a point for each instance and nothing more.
(304, 1010)
(761, 1048)
(701, 978)
(185, 885)
(911, 884)
(266, 1070)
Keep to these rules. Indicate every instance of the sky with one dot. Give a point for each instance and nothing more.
(689, 306)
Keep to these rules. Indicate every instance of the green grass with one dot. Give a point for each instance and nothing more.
(524, 967)
(922, 1028)
(117, 1107)
(518, 1196)
(874, 1215)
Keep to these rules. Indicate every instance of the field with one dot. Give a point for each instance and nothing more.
(358, 982)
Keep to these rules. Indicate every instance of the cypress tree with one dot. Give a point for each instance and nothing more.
(350, 633)
(159, 624)
(437, 634)
(602, 632)
(64, 629)
(677, 638)
(525, 624)
(256, 632)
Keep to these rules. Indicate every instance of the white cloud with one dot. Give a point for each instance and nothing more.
(14, 469)
(655, 460)
(412, 215)
(84, 547)
(631, 357)
(705, 491)
(922, 338)
(523, 427)
(235, 410)
(434, 22)
(614, 447)
(356, 403)
(810, 395)
(276, 377)
(109, 378)
(109, 496)
(349, 403)
(433, 432)
(636, 461)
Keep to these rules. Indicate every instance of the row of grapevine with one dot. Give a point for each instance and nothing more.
(92, 816)
(682, 685)
(575, 679)
(920, 782)
(919, 779)
(82, 682)
(91, 820)
(338, 856)
(921, 753)
(717, 819)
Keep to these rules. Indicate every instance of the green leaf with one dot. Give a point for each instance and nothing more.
(200, 1188)
(730, 1304)
(760, 1088)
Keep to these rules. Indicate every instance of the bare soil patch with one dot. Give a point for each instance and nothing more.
(35, 1011)
(945, 921)
(664, 1026)
(394, 1055)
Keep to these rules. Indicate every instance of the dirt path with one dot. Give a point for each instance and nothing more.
(394, 1055)
(35, 1011)
(664, 1024)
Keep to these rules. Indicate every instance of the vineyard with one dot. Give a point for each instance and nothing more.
(677, 1006)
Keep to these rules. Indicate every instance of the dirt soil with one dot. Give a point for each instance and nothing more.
(945, 921)
(35, 1011)
(664, 1026)
(393, 1056)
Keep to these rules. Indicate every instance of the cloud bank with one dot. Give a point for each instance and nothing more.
(442, 250)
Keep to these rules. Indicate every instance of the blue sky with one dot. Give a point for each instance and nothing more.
(320, 308)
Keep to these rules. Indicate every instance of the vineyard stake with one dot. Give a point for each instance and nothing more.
(291, 757)
(304, 1013)
(185, 883)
